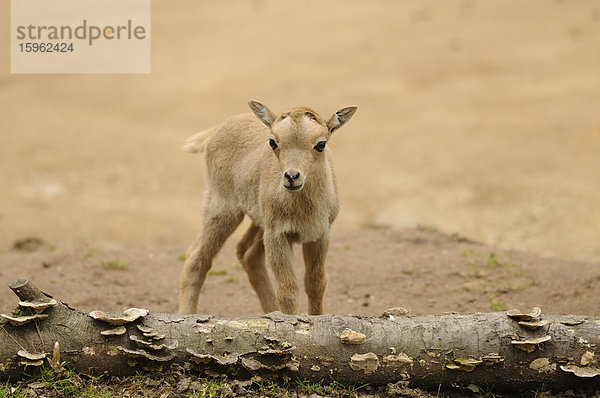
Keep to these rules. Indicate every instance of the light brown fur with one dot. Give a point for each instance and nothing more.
(289, 193)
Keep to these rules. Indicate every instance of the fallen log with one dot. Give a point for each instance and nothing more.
(510, 350)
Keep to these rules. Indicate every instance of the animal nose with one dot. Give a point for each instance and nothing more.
(291, 176)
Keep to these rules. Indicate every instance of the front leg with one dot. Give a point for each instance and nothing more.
(315, 277)
(278, 251)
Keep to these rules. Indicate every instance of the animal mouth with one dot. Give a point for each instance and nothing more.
(293, 187)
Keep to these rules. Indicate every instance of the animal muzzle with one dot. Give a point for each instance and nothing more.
(293, 180)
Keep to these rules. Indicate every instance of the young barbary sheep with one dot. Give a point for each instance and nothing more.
(278, 172)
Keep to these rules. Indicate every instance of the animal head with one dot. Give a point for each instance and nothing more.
(299, 139)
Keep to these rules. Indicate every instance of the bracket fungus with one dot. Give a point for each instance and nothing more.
(151, 346)
(271, 338)
(534, 324)
(581, 371)
(143, 354)
(228, 359)
(148, 332)
(349, 336)
(251, 364)
(466, 364)
(144, 328)
(368, 362)
(399, 358)
(535, 312)
(286, 348)
(118, 331)
(29, 359)
(22, 320)
(38, 306)
(574, 320)
(30, 356)
(129, 315)
(530, 345)
(154, 335)
(492, 358)
(254, 365)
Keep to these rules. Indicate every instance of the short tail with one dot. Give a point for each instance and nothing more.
(196, 142)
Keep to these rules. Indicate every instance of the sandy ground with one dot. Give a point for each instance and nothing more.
(479, 118)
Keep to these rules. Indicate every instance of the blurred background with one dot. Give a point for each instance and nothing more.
(476, 117)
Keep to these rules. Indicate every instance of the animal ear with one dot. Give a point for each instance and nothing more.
(340, 118)
(262, 112)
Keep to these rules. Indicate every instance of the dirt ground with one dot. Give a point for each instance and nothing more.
(369, 271)
(475, 118)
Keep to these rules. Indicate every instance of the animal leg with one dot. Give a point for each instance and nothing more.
(218, 225)
(278, 251)
(315, 277)
(251, 253)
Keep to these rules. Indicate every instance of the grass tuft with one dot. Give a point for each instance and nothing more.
(217, 272)
(497, 304)
(8, 391)
(116, 264)
(212, 388)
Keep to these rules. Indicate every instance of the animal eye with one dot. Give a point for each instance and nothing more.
(273, 143)
(320, 146)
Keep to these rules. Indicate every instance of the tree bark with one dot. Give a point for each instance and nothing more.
(424, 351)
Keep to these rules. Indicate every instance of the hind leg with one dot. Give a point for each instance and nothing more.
(218, 224)
(251, 253)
